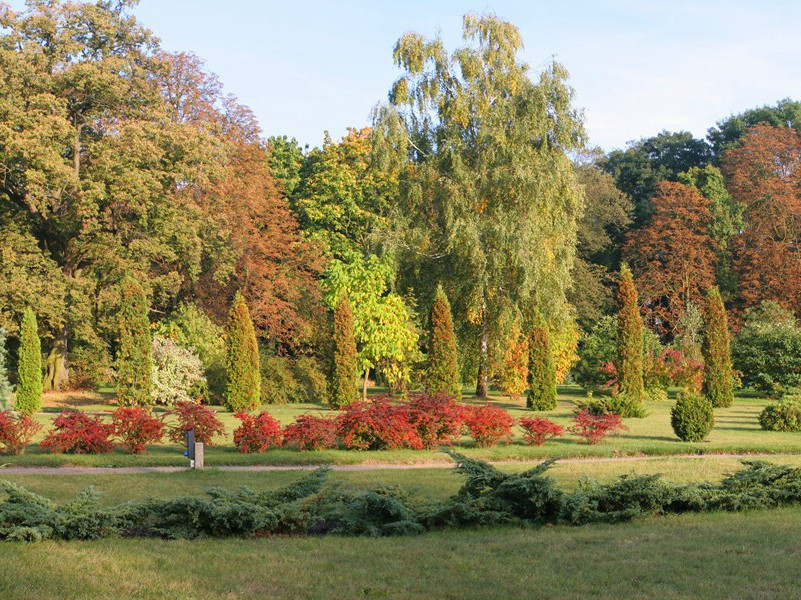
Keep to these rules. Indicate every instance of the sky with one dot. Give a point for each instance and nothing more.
(638, 67)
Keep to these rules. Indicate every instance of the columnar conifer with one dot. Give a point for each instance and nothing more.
(630, 339)
(718, 386)
(29, 371)
(134, 363)
(542, 377)
(345, 370)
(243, 376)
(5, 386)
(443, 368)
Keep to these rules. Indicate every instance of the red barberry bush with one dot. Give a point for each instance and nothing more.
(538, 430)
(377, 425)
(437, 418)
(257, 433)
(135, 427)
(595, 428)
(78, 433)
(16, 433)
(309, 432)
(192, 415)
(488, 425)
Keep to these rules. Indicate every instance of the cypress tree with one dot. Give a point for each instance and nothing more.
(630, 339)
(29, 371)
(541, 373)
(134, 362)
(345, 372)
(243, 377)
(718, 384)
(443, 368)
(5, 386)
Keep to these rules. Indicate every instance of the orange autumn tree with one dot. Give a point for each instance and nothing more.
(673, 257)
(764, 176)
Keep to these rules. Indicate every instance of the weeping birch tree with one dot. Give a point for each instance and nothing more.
(489, 201)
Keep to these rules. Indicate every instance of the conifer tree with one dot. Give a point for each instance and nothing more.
(134, 362)
(345, 371)
(5, 386)
(630, 339)
(541, 373)
(243, 377)
(443, 368)
(29, 371)
(718, 385)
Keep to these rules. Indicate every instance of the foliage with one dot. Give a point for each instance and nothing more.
(442, 375)
(134, 359)
(514, 366)
(538, 430)
(718, 384)
(76, 432)
(286, 161)
(29, 366)
(309, 432)
(344, 372)
(287, 379)
(377, 425)
(692, 417)
(488, 425)
(437, 418)
(16, 432)
(194, 416)
(243, 381)
(177, 372)
(623, 405)
(728, 133)
(541, 375)
(597, 349)
(135, 427)
(5, 385)
(629, 360)
(257, 433)
(784, 415)
(595, 428)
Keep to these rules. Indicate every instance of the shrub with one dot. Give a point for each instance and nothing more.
(134, 384)
(16, 433)
(541, 374)
(595, 428)
(377, 425)
(90, 365)
(29, 369)
(442, 375)
(488, 425)
(437, 418)
(191, 415)
(135, 427)
(312, 385)
(718, 381)
(344, 373)
(784, 415)
(309, 432)
(692, 417)
(5, 385)
(625, 406)
(629, 339)
(177, 372)
(243, 379)
(257, 433)
(78, 433)
(539, 430)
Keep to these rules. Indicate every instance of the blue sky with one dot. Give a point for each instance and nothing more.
(637, 66)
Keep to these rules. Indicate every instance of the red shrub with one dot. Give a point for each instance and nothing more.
(539, 430)
(256, 433)
(595, 428)
(377, 425)
(311, 433)
(135, 427)
(78, 433)
(192, 415)
(437, 419)
(16, 434)
(488, 424)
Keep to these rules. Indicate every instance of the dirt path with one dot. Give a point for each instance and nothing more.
(8, 470)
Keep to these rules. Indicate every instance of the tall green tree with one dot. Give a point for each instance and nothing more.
(243, 378)
(442, 374)
(541, 374)
(718, 383)
(29, 368)
(728, 133)
(286, 159)
(630, 339)
(489, 200)
(5, 385)
(345, 374)
(134, 360)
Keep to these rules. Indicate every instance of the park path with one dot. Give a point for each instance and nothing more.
(377, 466)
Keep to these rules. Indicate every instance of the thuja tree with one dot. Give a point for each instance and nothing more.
(630, 339)
(29, 370)
(718, 385)
(345, 372)
(542, 377)
(134, 362)
(5, 386)
(443, 368)
(243, 378)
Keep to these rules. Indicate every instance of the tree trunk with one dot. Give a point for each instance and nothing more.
(57, 377)
(366, 381)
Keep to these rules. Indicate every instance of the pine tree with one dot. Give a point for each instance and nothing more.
(345, 370)
(134, 362)
(443, 368)
(29, 373)
(541, 373)
(718, 384)
(243, 377)
(630, 339)
(5, 386)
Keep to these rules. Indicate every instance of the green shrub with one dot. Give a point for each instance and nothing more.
(692, 417)
(278, 382)
(5, 385)
(625, 406)
(134, 363)
(656, 394)
(596, 349)
(443, 368)
(177, 372)
(29, 368)
(541, 375)
(243, 379)
(90, 366)
(784, 415)
(312, 383)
